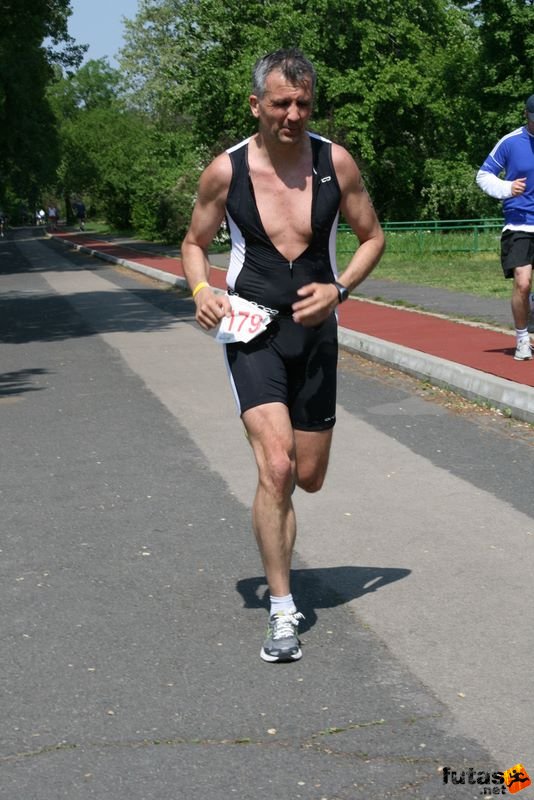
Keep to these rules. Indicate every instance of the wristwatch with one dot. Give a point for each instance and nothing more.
(342, 291)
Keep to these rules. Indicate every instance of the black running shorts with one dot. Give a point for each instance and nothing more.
(517, 250)
(289, 364)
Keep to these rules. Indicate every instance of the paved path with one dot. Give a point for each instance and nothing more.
(132, 598)
(475, 359)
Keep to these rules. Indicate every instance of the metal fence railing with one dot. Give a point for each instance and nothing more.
(433, 236)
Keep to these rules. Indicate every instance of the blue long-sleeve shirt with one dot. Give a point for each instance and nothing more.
(513, 155)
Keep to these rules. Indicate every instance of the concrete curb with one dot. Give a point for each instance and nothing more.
(151, 272)
(512, 398)
(515, 400)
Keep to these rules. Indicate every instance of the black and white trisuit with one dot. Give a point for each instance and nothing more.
(288, 363)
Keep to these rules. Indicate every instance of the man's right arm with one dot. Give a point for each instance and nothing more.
(206, 220)
(498, 188)
(488, 179)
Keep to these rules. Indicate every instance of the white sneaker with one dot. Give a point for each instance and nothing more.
(282, 642)
(523, 351)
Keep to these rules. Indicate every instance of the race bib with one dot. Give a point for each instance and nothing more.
(245, 323)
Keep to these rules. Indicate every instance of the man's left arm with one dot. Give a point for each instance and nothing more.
(320, 299)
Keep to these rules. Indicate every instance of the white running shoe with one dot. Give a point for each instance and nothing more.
(282, 643)
(523, 351)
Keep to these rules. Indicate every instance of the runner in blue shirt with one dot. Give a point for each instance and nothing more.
(508, 175)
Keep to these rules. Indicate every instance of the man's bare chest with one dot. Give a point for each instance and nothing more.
(284, 203)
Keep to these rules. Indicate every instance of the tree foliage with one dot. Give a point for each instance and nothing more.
(402, 83)
(29, 145)
(506, 65)
(129, 169)
(417, 90)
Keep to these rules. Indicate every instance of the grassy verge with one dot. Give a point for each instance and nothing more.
(476, 273)
(97, 226)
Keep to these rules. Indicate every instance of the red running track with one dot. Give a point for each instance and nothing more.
(479, 348)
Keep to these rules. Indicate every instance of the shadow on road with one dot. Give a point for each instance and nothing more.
(324, 587)
(31, 311)
(12, 383)
(45, 317)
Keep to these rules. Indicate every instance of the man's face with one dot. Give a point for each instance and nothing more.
(284, 110)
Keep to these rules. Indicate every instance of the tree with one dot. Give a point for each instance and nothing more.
(97, 138)
(126, 166)
(29, 150)
(506, 71)
(389, 87)
(404, 84)
(96, 84)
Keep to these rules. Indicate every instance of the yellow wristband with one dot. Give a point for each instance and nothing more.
(199, 286)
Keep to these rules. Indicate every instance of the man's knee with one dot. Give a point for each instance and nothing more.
(278, 473)
(311, 485)
(522, 280)
(522, 288)
(311, 481)
(313, 452)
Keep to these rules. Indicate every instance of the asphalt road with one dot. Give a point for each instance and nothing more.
(132, 595)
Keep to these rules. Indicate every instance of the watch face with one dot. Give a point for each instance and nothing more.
(342, 291)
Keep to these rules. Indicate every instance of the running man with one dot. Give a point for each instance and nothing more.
(80, 213)
(281, 192)
(512, 157)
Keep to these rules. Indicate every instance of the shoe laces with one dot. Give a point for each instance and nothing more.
(285, 625)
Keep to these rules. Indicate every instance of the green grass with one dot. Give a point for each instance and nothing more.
(97, 226)
(475, 273)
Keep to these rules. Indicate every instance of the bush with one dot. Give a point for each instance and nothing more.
(450, 192)
(175, 207)
(166, 187)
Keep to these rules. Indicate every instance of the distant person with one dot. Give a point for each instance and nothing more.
(80, 213)
(40, 216)
(3, 224)
(513, 158)
(53, 215)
